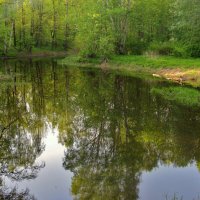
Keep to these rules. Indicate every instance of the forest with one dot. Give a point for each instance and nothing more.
(101, 28)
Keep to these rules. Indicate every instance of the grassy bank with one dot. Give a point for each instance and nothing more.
(157, 62)
(154, 62)
(181, 70)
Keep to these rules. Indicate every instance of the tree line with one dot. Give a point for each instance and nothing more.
(101, 28)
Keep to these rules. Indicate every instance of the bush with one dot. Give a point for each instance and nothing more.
(169, 48)
(161, 48)
(105, 47)
(137, 48)
(179, 50)
(194, 50)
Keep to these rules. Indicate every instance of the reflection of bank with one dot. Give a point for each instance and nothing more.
(52, 182)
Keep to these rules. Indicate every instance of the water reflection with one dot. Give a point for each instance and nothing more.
(53, 182)
(113, 132)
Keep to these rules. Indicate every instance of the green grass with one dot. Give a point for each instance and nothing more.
(156, 61)
(181, 95)
(130, 61)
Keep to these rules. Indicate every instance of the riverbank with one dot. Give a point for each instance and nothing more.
(13, 54)
(181, 70)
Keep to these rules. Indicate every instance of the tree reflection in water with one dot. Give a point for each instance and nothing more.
(13, 194)
(112, 126)
(124, 130)
(21, 134)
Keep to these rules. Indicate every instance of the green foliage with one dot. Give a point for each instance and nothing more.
(179, 50)
(187, 25)
(170, 48)
(194, 49)
(102, 28)
(94, 38)
(106, 47)
(162, 48)
(137, 47)
(102, 47)
(27, 24)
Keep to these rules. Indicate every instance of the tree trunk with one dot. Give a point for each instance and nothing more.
(14, 34)
(53, 33)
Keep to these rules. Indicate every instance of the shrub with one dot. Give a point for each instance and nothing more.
(194, 50)
(161, 48)
(179, 50)
(105, 47)
(138, 47)
(169, 48)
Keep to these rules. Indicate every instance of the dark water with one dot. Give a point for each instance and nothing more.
(72, 133)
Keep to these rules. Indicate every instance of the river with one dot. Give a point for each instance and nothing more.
(83, 133)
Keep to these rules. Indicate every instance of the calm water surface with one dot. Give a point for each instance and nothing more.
(71, 133)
